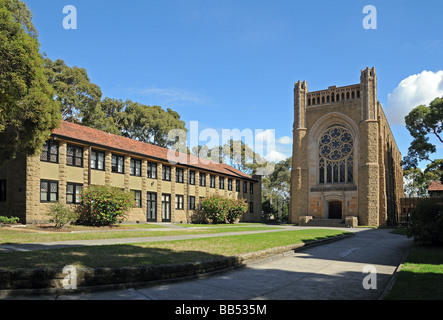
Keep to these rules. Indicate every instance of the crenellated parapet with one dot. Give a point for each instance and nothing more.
(334, 94)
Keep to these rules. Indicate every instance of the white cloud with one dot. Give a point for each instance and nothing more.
(413, 91)
(266, 140)
(275, 156)
(285, 140)
(267, 136)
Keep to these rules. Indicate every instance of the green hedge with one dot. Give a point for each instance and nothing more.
(426, 222)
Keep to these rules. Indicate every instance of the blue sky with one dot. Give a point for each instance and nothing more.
(233, 63)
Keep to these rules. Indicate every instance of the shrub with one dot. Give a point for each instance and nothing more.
(199, 217)
(426, 222)
(222, 210)
(9, 220)
(61, 215)
(236, 208)
(104, 205)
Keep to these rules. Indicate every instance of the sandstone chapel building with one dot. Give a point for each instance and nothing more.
(76, 156)
(346, 162)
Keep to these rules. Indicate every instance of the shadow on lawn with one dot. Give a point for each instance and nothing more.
(95, 266)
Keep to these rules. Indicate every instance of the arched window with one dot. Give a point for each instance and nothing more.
(323, 99)
(335, 152)
(309, 101)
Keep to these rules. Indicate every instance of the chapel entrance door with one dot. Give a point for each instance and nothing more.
(335, 210)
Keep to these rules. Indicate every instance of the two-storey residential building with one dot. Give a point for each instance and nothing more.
(76, 156)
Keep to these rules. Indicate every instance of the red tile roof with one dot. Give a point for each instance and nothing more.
(435, 186)
(78, 133)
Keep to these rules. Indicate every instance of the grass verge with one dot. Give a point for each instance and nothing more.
(166, 252)
(421, 275)
(9, 236)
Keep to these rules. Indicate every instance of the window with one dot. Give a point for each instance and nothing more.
(152, 170)
(97, 160)
(202, 179)
(2, 190)
(251, 188)
(73, 193)
(229, 184)
(166, 173)
(245, 187)
(179, 202)
(74, 156)
(221, 182)
(50, 151)
(336, 156)
(212, 181)
(251, 207)
(152, 206)
(137, 198)
(179, 175)
(166, 207)
(118, 164)
(191, 202)
(48, 191)
(136, 167)
(237, 186)
(192, 177)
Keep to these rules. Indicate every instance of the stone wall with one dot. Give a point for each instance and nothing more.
(14, 172)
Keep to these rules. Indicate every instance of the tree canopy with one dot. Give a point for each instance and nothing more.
(417, 181)
(81, 102)
(424, 122)
(235, 153)
(276, 190)
(28, 111)
(77, 96)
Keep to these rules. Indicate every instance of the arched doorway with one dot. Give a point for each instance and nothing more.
(334, 210)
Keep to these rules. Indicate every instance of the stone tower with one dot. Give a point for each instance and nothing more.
(299, 190)
(341, 143)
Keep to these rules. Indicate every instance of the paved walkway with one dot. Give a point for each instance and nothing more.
(327, 272)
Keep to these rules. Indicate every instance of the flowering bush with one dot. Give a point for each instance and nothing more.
(222, 210)
(103, 205)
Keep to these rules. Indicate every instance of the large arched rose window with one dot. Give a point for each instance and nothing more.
(336, 147)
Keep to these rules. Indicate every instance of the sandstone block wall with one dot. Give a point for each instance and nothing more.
(374, 195)
(24, 175)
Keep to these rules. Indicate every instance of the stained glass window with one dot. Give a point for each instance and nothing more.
(336, 147)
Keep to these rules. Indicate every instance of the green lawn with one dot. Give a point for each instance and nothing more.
(421, 276)
(166, 252)
(228, 225)
(19, 235)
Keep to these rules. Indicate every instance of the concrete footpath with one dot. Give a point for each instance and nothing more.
(360, 267)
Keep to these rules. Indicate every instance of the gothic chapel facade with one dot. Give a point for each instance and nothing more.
(345, 160)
